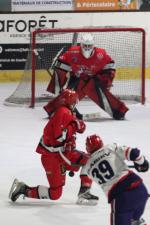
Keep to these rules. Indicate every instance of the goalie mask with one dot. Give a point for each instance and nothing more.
(93, 143)
(87, 45)
(68, 98)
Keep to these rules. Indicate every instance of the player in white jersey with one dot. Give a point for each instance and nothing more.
(107, 167)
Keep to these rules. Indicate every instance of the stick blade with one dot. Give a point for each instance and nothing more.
(91, 116)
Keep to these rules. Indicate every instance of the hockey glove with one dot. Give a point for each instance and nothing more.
(142, 168)
(80, 126)
(70, 145)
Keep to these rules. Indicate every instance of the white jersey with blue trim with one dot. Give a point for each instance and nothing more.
(107, 166)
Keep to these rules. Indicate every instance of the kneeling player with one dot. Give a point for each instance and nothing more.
(58, 152)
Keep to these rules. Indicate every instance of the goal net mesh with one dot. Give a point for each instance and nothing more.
(125, 45)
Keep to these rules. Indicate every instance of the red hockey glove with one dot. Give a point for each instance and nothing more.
(142, 168)
(70, 145)
(80, 125)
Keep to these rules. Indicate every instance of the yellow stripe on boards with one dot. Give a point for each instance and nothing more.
(43, 76)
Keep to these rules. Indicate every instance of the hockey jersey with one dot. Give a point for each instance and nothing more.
(83, 67)
(58, 131)
(107, 168)
(73, 62)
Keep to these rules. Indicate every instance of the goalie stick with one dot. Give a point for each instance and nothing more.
(91, 116)
(74, 41)
(43, 62)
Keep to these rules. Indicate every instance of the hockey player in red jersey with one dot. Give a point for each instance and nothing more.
(124, 189)
(90, 71)
(58, 152)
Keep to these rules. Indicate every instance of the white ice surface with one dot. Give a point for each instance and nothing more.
(20, 130)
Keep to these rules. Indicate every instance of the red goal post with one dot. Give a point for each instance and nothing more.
(125, 45)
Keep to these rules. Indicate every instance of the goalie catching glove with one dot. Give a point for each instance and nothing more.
(143, 167)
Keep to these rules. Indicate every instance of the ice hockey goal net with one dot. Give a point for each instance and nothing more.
(125, 45)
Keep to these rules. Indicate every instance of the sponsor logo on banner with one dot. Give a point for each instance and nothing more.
(41, 5)
(90, 5)
(18, 28)
(15, 34)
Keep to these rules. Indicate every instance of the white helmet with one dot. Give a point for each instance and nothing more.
(87, 45)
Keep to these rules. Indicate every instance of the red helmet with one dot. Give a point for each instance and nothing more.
(93, 143)
(68, 98)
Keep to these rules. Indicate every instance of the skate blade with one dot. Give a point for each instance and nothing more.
(13, 187)
(87, 202)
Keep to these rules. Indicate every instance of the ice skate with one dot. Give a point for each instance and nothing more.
(139, 222)
(86, 198)
(17, 189)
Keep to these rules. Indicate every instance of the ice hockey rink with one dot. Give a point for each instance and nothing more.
(21, 129)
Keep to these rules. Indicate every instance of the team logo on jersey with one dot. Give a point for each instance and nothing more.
(100, 56)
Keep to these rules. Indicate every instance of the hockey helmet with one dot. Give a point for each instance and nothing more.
(68, 98)
(87, 45)
(93, 143)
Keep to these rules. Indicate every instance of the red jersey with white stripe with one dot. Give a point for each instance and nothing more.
(59, 129)
(81, 66)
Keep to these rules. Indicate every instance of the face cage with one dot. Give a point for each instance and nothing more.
(87, 50)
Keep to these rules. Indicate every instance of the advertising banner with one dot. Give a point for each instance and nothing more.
(102, 5)
(13, 56)
(73, 5)
(15, 37)
(41, 5)
(17, 28)
(15, 32)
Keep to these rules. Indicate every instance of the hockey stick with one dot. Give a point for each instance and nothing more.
(131, 166)
(56, 57)
(91, 116)
(74, 41)
(71, 173)
(67, 160)
(53, 62)
(42, 61)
